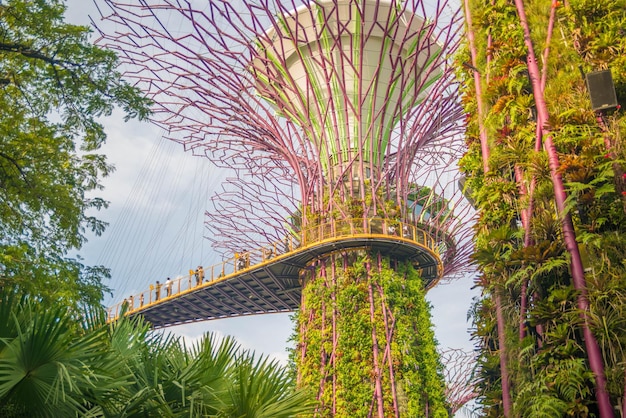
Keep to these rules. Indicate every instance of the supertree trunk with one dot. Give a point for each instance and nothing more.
(368, 365)
(594, 353)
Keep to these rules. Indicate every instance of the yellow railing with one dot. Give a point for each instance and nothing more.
(332, 230)
(367, 226)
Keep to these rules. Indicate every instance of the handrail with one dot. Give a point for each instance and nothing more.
(332, 230)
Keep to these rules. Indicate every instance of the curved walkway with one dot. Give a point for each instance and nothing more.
(266, 280)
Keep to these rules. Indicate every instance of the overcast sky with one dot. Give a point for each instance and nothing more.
(158, 196)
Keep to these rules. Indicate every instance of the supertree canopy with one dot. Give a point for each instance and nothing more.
(327, 112)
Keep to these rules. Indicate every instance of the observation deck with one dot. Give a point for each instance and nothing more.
(266, 280)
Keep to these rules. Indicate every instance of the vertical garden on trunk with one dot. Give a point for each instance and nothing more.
(365, 334)
(550, 343)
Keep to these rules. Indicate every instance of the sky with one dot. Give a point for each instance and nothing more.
(158, 195)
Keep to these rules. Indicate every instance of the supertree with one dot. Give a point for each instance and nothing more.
(332, 115)
(550, 250)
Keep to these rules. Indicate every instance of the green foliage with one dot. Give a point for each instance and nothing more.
(53, 364)
(54, 87)
(342, 314)
(548, 368)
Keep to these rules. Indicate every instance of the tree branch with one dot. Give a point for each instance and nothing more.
(17, 166)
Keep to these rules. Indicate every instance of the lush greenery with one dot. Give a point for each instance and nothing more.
(365, 341)
(527, 325)
(54, 87)
(54, 364)
(58, 356)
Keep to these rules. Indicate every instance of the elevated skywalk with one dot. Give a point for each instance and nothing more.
(267, 280)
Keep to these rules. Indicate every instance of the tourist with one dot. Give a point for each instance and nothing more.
(157, 290)
(168, 287)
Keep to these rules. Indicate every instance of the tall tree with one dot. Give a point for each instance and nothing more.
(54, 87)
(343, 115)
(568, 196)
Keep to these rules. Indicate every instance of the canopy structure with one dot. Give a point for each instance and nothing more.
(313, 106)
(340, 122)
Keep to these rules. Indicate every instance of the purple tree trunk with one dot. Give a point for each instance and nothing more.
(484, 144)
(525, 215)
(624, 400)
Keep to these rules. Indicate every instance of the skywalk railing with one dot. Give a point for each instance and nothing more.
(329, 231)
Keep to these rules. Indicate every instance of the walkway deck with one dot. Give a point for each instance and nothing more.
(267, 280)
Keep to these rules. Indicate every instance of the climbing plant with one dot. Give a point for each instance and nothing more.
(528, 325)
(365, 339)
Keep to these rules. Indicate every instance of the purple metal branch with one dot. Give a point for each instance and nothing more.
(389, 329)
(201, 65)
(484, 142)
(335, 335)
(504, 368)
(378, 387)
(526, 214)
(458, 375)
